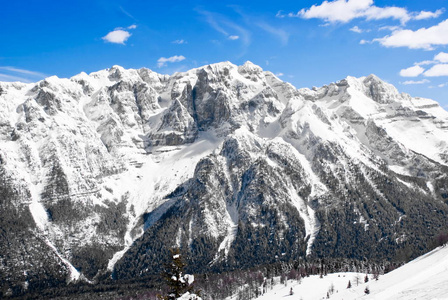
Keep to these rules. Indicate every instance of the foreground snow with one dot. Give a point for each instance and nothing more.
(312, 287)
(423, 278)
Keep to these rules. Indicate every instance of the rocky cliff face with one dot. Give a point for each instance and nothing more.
(107, 171)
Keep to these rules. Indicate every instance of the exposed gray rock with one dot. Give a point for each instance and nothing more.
(109, 170)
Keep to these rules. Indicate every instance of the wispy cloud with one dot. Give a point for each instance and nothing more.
(179, 42)
(424, 63)
(281, 34)
(18, 74)
(163, 60)
(119, 35)
(127, 13)
(227, 28)
(423, 15)
(9, 78)
(344, 11)
(261, 23)
(390, 28)
(409, 82)
(23, 71)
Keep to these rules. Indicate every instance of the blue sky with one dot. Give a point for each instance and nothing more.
(307, 43)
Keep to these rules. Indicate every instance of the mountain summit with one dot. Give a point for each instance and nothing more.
(105, 172)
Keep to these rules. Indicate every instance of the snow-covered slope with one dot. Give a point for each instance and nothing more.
(116, 166)
(423, 278)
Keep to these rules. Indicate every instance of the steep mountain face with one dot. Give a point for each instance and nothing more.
(107, 171)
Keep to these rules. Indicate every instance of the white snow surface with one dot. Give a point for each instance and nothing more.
(424, 278)
(189, 296)
(159, 174)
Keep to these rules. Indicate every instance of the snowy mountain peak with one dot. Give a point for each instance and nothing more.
(249, 67)
(116, 161)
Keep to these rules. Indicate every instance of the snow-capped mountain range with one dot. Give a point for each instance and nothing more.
(105, 172)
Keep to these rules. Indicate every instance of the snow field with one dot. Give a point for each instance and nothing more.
(425, 278)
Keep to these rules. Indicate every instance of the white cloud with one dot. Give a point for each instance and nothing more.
(117, 36)
(412, 71)
(423, 38)
(443, 85)
(346, 10)
(163, 60)
(437, 70)
(416, 82)
(279, 74)
(442, 57)
(356, 29)
(392, 12)
(233, 37)
(336, 11)
(179, 42)
(423, 15)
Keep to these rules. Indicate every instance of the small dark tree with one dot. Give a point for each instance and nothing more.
(366, 279)
(442, 239)
(331, 289)
(2, 91)
(283, 279)
(367, 291)
(376, 274)
(293, 274)
(357, 279)
(178, 283)
(349, 285)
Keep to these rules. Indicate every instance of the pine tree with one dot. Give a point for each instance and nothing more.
(178, 283)
(366, 279)
(349, 285)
